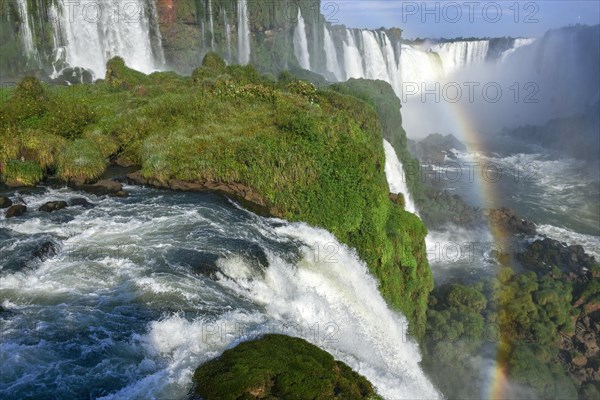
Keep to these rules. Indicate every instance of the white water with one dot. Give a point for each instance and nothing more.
(394, 171)
(243, 32)
(126, 258)
(211, 25)
(353, 61)
(97, 30)
(227, 35)
(26, 31)
(301, 43)
(591, 244)
(333, 64)
(457, 55)
(521, 42)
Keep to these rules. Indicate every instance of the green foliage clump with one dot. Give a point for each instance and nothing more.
(214, 62)
(23, 173)
(522, 322)
(119, 76)
(81, 159)
(28, 101)
(278, 366)
(68, 119)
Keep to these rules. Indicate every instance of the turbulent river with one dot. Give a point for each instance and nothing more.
(126, 298)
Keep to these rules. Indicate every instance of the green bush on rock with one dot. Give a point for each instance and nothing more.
(281, 367)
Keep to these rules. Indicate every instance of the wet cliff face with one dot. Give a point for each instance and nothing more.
(192, 28)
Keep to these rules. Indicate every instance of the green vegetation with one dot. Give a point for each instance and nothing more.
(312, 155)
(279, 367)
(520, 327)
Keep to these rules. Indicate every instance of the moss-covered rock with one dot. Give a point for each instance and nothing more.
(279, 367)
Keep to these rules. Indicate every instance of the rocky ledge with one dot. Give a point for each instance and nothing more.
(243, 194)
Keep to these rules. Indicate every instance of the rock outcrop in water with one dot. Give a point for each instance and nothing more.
(277, 366)
(16, 211)
(5, 202)
(52, 206)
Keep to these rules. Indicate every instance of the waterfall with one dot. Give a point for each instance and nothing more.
(353, 60)
(418, 66)
(333, 64)
(211, 25)
(227, 35)
(396, 176)
(243, 33)
(96, 30)
(26, 30)
(517, 44)
(375, 63)
(456, 55)
(301, 43)
(146, 309)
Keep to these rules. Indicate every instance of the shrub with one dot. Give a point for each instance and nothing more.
(278, 366)
(119, 76)
(213, 61)
(29, 100)
(23, 173)
(41, 147)
(81, 159)
(68, 119)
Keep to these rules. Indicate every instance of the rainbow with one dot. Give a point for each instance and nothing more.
(497, 385)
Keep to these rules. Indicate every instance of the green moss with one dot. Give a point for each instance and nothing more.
(23, 173)
(81, 159)
(281, 367)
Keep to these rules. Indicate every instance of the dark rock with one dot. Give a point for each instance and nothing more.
(45, 251)
(53, 206)
(247, 196)
(508, 221)
(398, 199)
(80, 201)
(120, 193)
(543, 254)
(100, 188)
(5, 202)
(16, 211)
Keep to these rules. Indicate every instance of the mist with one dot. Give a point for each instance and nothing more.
(554, 76)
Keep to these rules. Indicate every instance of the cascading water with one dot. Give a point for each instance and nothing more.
(332, 62)
(26, 30)
(243, 32)
(457, 55)
(227, 35)
(396, 176)
(353, 60)
(518, 43)
(144, 289)
(211, 25)
(301, 43)
(96, 30)
(375, 62)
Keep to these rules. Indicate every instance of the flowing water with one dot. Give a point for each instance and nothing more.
(243, 30)
(301, 43)
(396, 177)
(142, 290)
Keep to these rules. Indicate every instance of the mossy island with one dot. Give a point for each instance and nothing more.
(279, 367)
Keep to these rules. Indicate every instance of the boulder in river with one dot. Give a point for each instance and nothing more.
(53, 206)
(5, 202)
(100, 188)
(80, 201)
(16, 211)
(45, 251)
